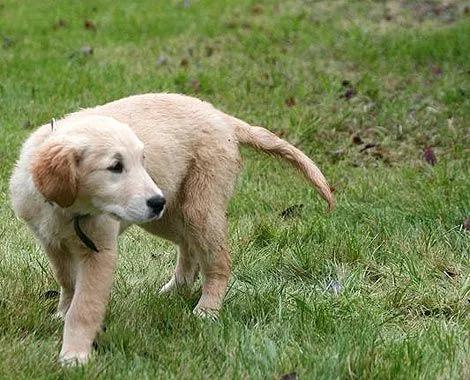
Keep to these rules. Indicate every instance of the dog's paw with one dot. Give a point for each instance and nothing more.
(72, 359)
(59, 316)
(169, 287)
(206, 313)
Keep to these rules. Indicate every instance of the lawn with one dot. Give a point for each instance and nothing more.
(379, 288)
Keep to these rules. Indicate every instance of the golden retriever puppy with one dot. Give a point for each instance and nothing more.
(166, 162)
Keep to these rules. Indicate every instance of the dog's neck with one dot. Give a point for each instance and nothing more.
(81, 235)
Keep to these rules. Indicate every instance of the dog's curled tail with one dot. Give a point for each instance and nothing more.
(262, 139)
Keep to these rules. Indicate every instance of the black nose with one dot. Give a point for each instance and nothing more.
(157, 204)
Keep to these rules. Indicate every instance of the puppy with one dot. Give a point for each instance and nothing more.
(166, 162)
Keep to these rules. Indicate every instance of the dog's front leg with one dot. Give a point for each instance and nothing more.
(94, 276)
(64, 273)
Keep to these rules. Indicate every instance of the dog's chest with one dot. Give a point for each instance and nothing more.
(50, 226)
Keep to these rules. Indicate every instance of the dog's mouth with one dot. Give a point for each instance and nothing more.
(137, 211)
(136, 220)
(115, 216)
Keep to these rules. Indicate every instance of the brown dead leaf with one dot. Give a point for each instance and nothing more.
(466, 224)
(195, 85)
(436, 71)
(348, 94)
(356, 140)
(89, 25)
(290, 101)
(184, 62)
(429, 156)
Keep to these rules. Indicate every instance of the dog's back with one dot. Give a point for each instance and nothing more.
(179, 129)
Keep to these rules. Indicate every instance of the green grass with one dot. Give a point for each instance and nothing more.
(380, 288)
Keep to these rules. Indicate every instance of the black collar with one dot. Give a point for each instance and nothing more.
(81, 235)
(76, 226)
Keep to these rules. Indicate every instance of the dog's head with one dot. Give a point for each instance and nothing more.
(95, 164)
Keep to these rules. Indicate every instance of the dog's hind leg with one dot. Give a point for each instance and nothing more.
(215, 261)
(204, 205)
(186, 270)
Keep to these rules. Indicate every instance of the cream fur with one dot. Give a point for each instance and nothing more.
(192, 158)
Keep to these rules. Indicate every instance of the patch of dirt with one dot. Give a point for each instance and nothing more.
(421, 11)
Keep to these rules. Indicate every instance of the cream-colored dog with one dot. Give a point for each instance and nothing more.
(164, 161)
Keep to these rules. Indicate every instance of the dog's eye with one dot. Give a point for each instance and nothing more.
(116, 168)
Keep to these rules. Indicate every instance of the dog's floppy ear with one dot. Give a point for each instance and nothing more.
(55, 172)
